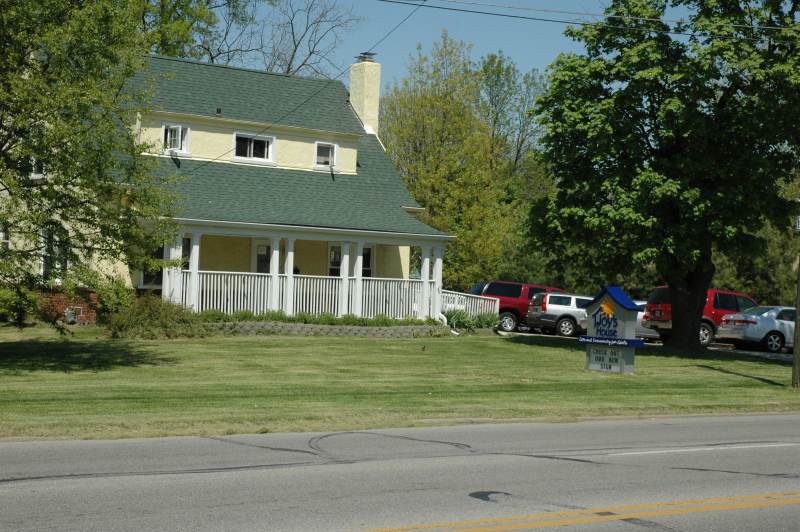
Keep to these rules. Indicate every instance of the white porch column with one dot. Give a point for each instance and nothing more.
(274, 271)
(344, 274)
(171, 289)
(438, 252)
(288, 269)
(358, 265)
(194, 268)
(424, 275)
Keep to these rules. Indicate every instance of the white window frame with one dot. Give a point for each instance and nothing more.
(328, 259)
(255, 244)
(269, 161)
(153, 286)
(5, 238)
(334, 155)
(185, 147)
(371, 249)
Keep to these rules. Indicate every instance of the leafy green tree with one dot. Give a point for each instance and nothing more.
(461, 133)
(74, 187)
(667, 147)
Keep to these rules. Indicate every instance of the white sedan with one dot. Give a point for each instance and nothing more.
(770, 327)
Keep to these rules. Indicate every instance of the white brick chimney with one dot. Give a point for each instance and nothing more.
(365, 91)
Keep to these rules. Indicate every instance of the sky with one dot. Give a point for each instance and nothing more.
(530, 44)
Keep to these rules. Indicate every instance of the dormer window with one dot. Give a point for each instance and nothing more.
(176, 139)
(326, 156)
(253, 148)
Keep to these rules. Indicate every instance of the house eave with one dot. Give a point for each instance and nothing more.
(311, 231)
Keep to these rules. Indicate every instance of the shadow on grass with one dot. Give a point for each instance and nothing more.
(546, 341)
(67, 356)
(736, 373)
(649, 350)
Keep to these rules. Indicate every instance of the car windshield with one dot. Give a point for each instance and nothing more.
(759, 311)
(477, 289)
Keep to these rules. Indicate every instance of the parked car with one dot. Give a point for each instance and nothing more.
(719, 303)
(563, 313)
(641, 330)
(769, 327)
(514, 298)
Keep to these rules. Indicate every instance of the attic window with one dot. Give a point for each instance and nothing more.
(326, 155)
(253, 148)
(176, 138)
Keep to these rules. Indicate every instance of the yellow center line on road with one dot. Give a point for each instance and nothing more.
(612, 513)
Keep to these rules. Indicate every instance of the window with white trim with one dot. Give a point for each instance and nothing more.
(176, 138)
(153, 278)
(366, 261)
(334, 260)
(55, 253)
(326, 155)
(5, 238)
(263, 254)
(253, 148)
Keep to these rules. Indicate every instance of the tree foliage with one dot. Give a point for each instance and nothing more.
(74, 187)
(668, 147)
(461, 132)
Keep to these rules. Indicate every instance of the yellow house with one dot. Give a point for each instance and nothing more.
(288, 199)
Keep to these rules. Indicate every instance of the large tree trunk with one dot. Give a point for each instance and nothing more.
(688, 295)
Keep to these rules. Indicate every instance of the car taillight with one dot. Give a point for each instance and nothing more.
(544, 303)
(645, 317)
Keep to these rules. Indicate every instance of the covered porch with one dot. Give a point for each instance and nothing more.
(232, 268)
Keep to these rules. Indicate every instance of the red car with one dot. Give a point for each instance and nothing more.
(719, 303)
(514, 298)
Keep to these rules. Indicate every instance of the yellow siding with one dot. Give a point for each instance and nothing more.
(392, 261)
(225, 253)
(311, 257)
(210, 139)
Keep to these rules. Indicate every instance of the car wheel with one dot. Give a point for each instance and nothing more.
(773, 342)
(706, 334)
(565, 327)
(508, 322)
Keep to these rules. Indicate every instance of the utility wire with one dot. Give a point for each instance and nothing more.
(318, 91)
(568, 22)
(608, 16)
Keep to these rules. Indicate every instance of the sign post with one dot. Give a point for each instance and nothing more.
(611, 324)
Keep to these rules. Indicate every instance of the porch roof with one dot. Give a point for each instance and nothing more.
(372, 200)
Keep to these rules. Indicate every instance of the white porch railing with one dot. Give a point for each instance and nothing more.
(396, 298)
(316, 295)
(472, 305)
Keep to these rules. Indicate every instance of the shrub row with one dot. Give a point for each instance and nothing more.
(215, 316)
(458, 319)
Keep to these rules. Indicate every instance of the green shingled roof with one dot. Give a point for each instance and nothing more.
(372, 200)
(192, 87)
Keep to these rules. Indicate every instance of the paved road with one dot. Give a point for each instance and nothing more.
(695, 473)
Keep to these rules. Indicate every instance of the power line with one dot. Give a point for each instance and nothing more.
(568, 22)
(610, 16)
(315, 93)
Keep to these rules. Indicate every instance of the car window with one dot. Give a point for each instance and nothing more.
(503, 289)
(659, 296)
(582, 302)
(537, 299)
(787, 314)
(560, 300)
(725, 302)
(745, 302)
(478, 288)
(532, 291)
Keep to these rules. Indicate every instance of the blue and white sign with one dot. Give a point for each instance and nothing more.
(611, 339)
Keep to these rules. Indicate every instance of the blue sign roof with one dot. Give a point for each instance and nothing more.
(618, 295)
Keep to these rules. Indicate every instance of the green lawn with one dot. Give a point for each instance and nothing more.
(89, 386)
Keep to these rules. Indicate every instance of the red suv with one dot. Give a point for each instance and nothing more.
(514, 299)
(719, 303)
